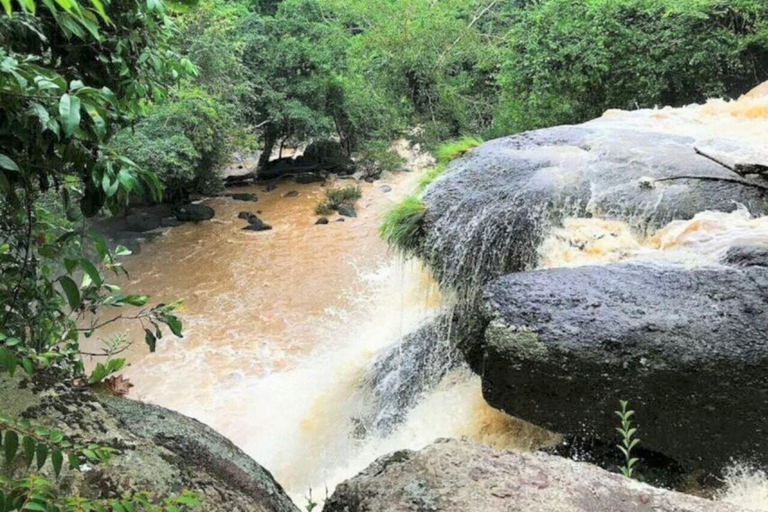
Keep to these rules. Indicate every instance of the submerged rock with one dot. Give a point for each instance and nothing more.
(322, 220)
(488, 213)
(292, 193)
(686, 347)
(256, 224)
(194, 213)
(160, 451)
(346, 211)
(244, 197)
(458, 476)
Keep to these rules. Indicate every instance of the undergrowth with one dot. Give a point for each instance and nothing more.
(401, 227)
(336, 197)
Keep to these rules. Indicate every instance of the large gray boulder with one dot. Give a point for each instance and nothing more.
(458, 476)
(160, 451)
(687, 347)
(488, 213)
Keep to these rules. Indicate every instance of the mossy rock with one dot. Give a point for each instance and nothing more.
(160, 451)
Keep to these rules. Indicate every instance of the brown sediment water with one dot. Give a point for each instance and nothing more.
(280, 327)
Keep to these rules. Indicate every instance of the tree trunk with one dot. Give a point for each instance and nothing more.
(269, 145)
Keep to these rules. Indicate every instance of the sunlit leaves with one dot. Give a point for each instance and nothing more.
(69, 113)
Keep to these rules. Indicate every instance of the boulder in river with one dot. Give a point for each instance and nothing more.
(244, 197)
(686, 347)
(488, 213)
(159, 451)
(330, 156)
(322, 220)
(459, 476)
(256, 224)
(194, 213)
(346, 211)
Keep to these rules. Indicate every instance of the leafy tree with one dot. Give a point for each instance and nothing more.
(293, 59)
(569, 61)
(70, 75)
(183, 140)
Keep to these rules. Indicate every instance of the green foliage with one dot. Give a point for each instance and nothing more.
(104, 370)
(27, 447)
(70, 76)
(567, 62)
(628, 439)
(401, 227)
(338, 196)
(292, 59)
(23, 443)
(35, 493)
(376, 157)
(444, 154)
(183, 141)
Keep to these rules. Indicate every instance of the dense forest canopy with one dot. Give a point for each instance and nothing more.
(110, 101)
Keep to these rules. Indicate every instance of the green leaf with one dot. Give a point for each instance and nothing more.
(7, 6)
(7, 163)
(150, 339)
(71, 291)
(8, 360)
(136, 300)
(31, 505)
(174, 324)
(92, 272)
(69, 113)
(57, 459)
(11, 444)
(126, 179)
(41, 452)
(29, 449)
(74, 462)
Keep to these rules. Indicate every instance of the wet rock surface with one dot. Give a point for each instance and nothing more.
(686, 347)
(160, 451)
(402, 373)
(347, 211)
(488, 213)
(244, 197)
(194, 213)
(458, 476)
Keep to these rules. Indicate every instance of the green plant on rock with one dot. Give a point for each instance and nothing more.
(339, 196)
(444, 154)
(35, 493)
(401, 227)
(629, 440)
(24, 443)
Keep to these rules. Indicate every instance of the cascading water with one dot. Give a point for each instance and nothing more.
(314, 349)
(309, 346)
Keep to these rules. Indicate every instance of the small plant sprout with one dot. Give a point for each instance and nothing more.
(311, 504)
(628, 439)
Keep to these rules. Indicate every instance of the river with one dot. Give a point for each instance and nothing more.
(281, 326)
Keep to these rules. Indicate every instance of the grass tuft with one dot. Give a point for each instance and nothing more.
(335, 197)
(444, 154)
(401, 227)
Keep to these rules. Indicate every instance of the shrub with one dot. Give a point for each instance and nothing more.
(336, 197)
(401, 227)
(183, 141)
